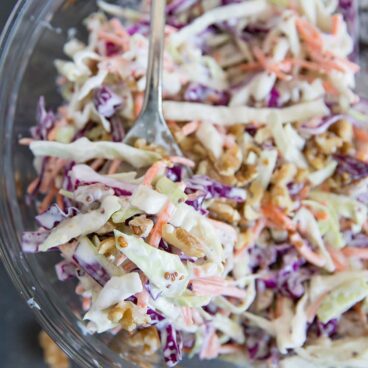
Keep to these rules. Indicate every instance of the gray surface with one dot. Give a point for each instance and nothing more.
(19, 346)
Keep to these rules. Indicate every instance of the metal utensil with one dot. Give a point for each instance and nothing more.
(151, 124)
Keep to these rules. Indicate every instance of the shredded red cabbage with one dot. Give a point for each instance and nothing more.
(322, 126)
(258, 343)
(54, 215)
(349, 10)
(155, 316)
(112, 48)
(199, 93)
(355, 168)
(31, 240)
(213, 189)
(65, 270)
(106, 101)
(273, 100)
(175, 173)
(45, 121)
(328, 329)
(171, 342)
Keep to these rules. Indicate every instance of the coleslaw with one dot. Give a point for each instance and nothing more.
(261, 256)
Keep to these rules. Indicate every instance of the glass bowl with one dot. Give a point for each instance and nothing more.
(33, 38)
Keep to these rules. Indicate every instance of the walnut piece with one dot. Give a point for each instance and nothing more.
(54, 357)
(344, 130)
(230, 161)
(328, 143)
(224, 212)
(183, 240)
(147, 338)
(285, 174)
(141, 225)
(246, 174)
(128, 315)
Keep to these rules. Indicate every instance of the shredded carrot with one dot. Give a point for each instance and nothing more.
(187, 315)
(302, 247)
(304, 193)
(25, 141)
(280, 305)
(361, 253)
(86, 303)
(358, 308)
(118, 27)
(129, 266)
(360, 134)
(97, 163)
(182, 160)
(190, 128)
(321, 215)
(114, 167)
(276, 216)
(142, 298)
(304, 64)
(268, 65)
(45, 204)
(162, 219)
(342, 60)
(330, 88)
(309, 33)
(33, 185)
(211, 346)
(250, 67)
(215, 286)
(51, 136)
(121, 259)
(336, 24)
(338, 258)
(138, 103)
(152, 172)
(54, 166)
(362, 152)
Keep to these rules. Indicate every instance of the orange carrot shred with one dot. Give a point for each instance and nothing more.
(338, 259)
(276, 216)
(360, 134)
(162, 219)
(33, 185)
(114, 166)
(152, 172)
(45, 204)
(190, 128)
(138, 103)
(361, 253)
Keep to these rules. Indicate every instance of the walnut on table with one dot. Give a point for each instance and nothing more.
(54, 357)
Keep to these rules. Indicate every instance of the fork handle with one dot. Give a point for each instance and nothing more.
(153, 93)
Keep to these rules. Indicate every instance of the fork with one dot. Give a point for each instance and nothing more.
(151, 124)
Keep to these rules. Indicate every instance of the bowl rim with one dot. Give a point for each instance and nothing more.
(84, 350)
